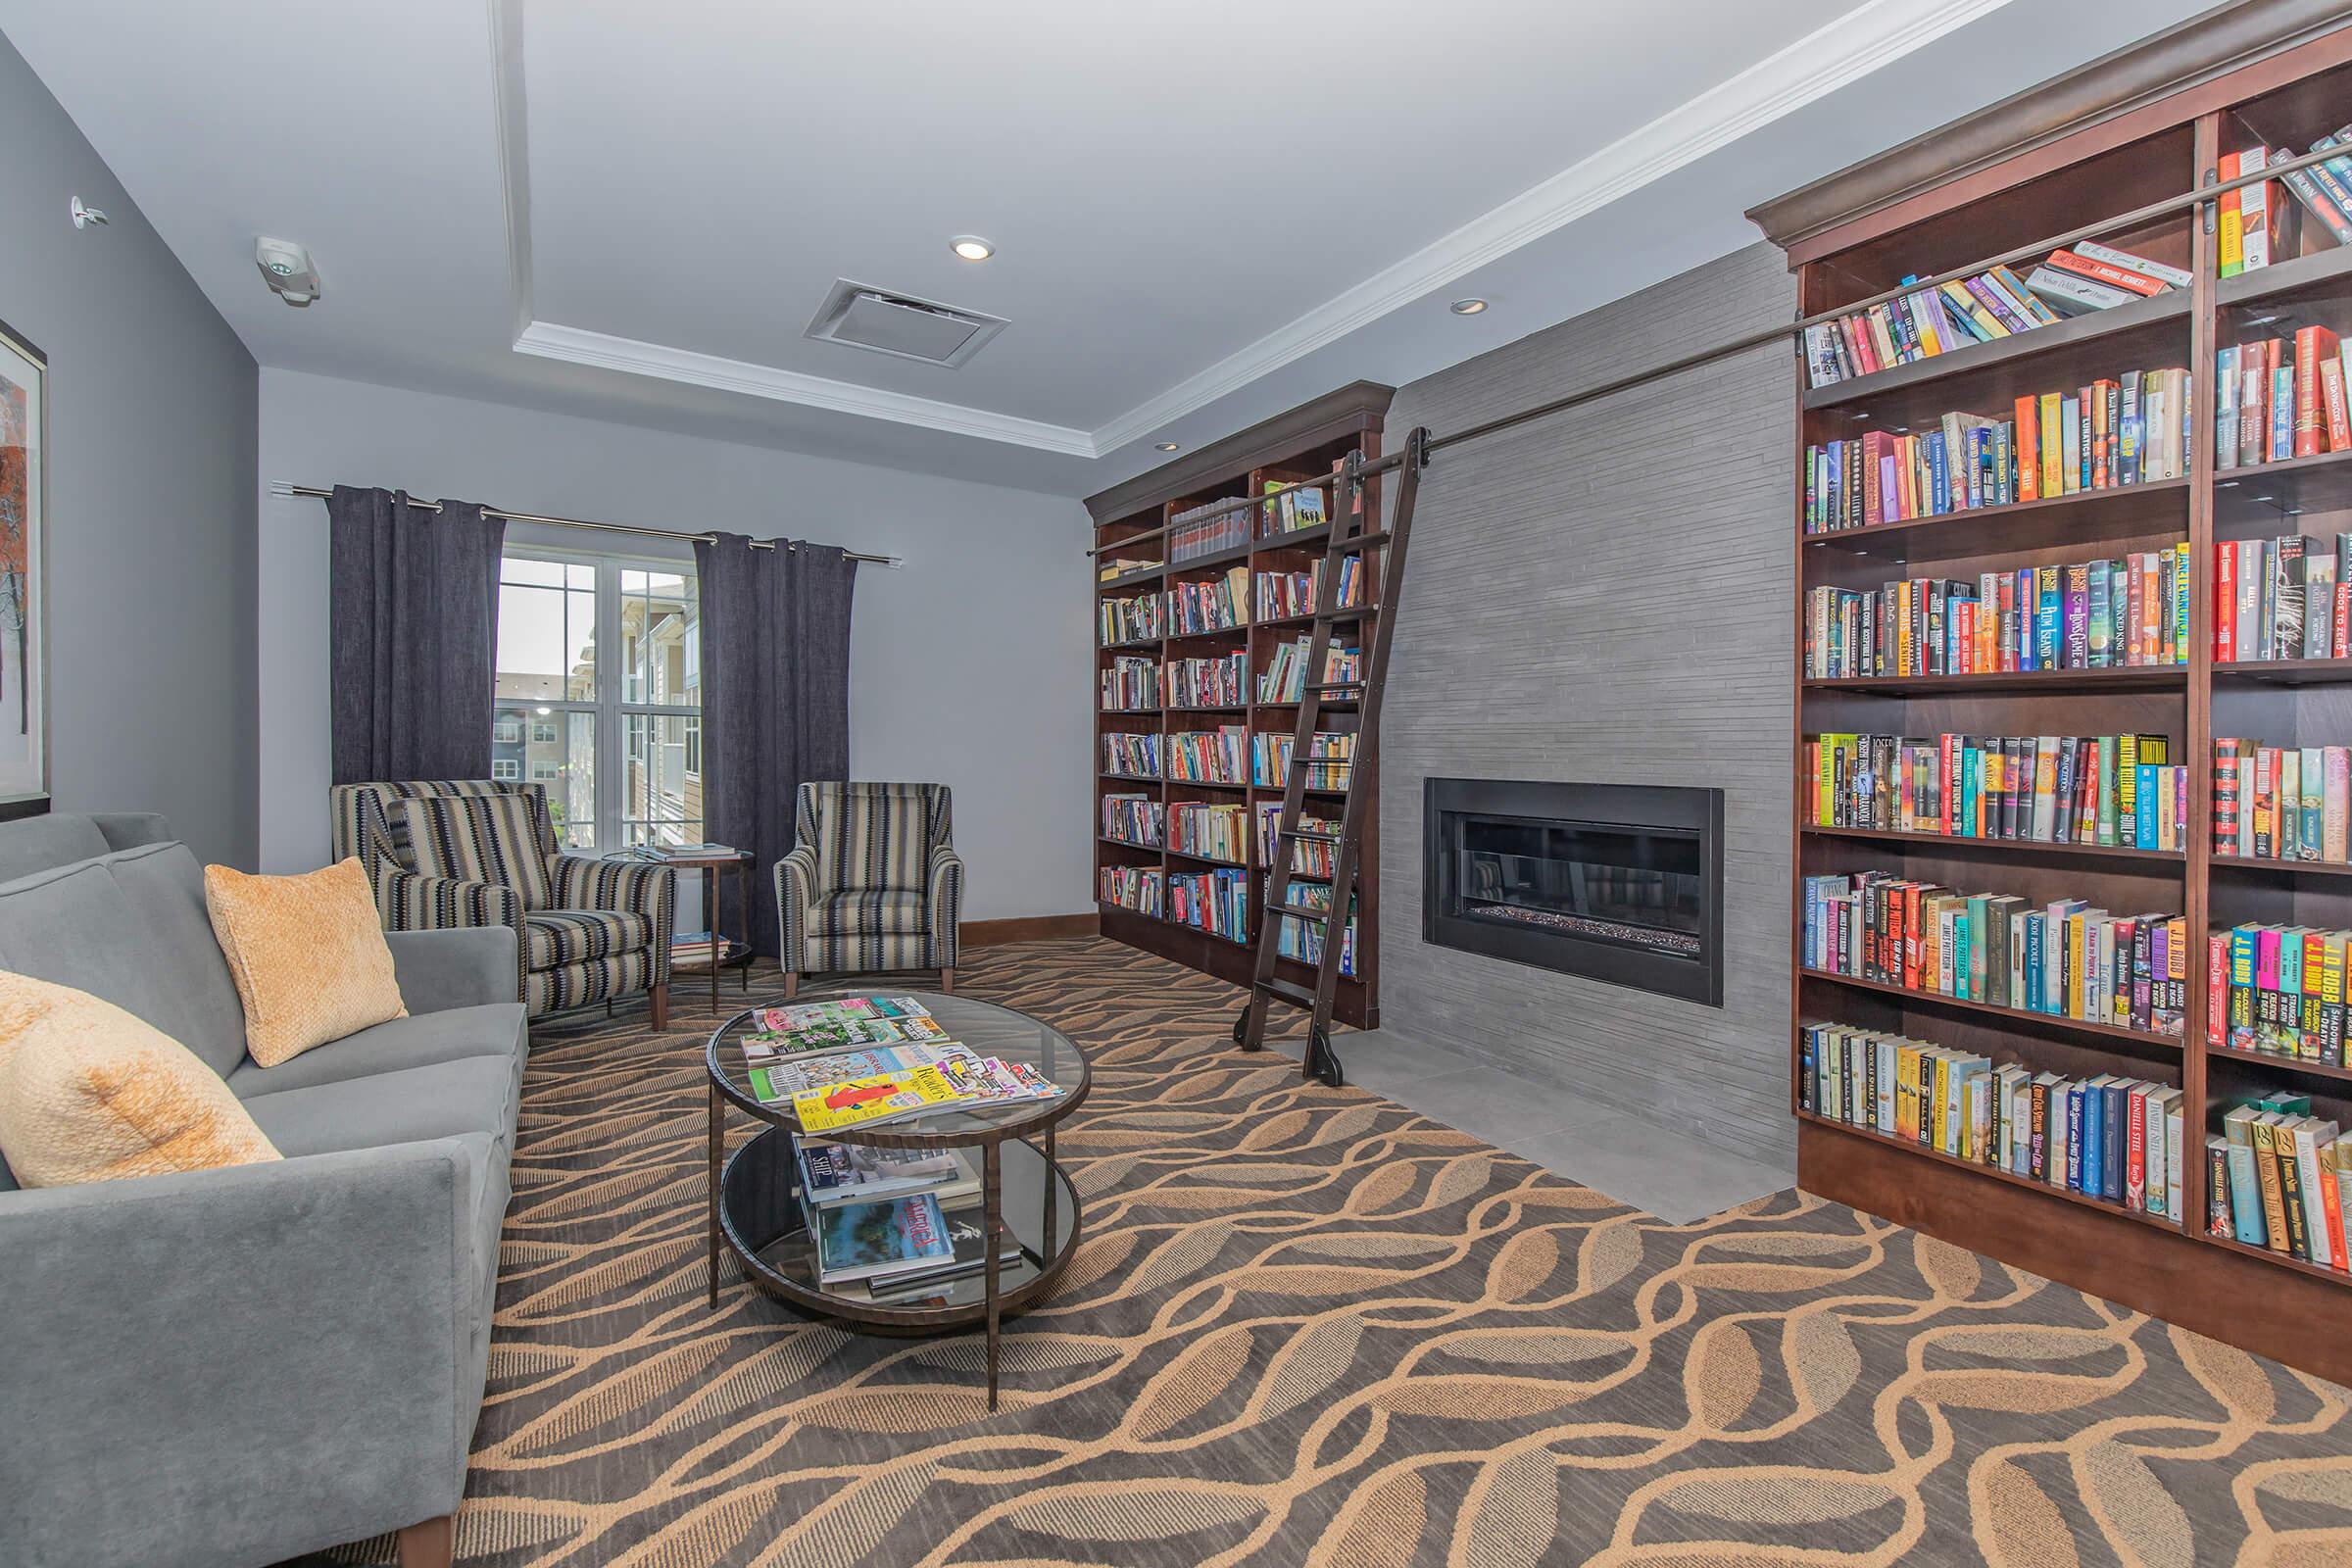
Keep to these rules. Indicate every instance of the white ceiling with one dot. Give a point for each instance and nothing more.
(1204, 210)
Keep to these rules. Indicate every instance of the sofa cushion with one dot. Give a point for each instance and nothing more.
(871, 913)
(495, 1029)
(46, 842)
(551, 938)
(872, 836)
(89, 1093)
(474, 837)
(308, 957)
(472, 1095)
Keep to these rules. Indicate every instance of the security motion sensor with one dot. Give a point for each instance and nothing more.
(286, 268)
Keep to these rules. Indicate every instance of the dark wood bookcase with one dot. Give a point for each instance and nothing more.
(1301, 444)
(2273, 73)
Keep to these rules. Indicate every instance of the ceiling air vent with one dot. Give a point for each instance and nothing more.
(899, 325)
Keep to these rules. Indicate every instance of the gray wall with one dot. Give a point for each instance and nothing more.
(1605, 597)
(969, 666)
(152, 410)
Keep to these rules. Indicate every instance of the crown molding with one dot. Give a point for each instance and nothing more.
(507, 88)
(1844, 51)
(579, 346)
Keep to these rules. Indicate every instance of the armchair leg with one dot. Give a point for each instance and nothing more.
(947, 979)
(792, 984)
(429, 1545)
(659, 997)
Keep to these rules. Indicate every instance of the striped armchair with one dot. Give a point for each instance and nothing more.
(873, 881)
(478, 851)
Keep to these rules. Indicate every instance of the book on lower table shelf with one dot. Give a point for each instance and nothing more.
(2278, 1177)
(2111, 1138)
(658, 853)
(698, 946)
(862, 1242)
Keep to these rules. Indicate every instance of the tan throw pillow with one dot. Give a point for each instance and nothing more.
(89, 1093)
(310, 959)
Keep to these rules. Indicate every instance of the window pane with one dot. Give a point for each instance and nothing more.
(573, 802)
(664, 799)
(659, 629)
(546, 634)
(530, 745)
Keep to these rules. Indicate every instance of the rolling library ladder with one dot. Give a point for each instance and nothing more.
(1349, 535)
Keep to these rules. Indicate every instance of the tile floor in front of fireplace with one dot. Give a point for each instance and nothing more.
(1665, 1173)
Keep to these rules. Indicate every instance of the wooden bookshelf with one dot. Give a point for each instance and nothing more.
(2013, 175)
(1301, 444)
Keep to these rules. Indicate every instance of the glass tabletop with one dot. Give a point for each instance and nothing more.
(980, 1027)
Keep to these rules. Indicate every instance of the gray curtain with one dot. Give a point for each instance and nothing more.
(775, 679)
(415, 636)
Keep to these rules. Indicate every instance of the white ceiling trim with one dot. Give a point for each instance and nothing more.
(580, 346)
(514, 153)
(1815, 65)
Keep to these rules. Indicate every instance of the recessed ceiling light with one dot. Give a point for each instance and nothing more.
(971, 247)
(1168, 446)
(1469, 307)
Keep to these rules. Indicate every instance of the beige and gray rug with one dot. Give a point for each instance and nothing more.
(1310, 1327)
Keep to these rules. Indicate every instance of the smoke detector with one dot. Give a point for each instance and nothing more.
(286, 268)
(881, 321)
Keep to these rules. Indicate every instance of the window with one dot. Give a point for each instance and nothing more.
(597, 661)
(506, 770)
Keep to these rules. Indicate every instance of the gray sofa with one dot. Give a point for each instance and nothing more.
(238, 1366)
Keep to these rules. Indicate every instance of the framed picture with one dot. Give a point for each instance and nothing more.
(23, 515)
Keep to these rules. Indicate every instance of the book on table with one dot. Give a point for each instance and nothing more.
(832, 1174)
(966, 1234)
(858, 1242)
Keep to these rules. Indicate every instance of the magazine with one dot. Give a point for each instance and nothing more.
(868, 1240)
(842, 1173)
(964, 1233)
(867, 1102)
(832, 1025)
(992, 1078)
(780, 1079)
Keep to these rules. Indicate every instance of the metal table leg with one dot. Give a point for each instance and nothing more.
(992, 1185)
(718, 1140)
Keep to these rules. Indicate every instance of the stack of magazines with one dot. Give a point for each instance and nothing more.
(864, 1061)
(895, 1225)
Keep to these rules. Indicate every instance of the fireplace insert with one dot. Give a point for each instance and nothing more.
(1618, 882)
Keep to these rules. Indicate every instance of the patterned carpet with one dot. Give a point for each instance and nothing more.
(1310, 1327)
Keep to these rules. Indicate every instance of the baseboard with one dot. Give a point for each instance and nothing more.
(1028, 928)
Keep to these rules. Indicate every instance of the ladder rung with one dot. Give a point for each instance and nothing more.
(1323, 916)
(1301, 833)
(1297, 995)
(1379, 536)
(1335, 685)
(1352, 613)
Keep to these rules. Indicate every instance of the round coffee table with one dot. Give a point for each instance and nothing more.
(755, 1196)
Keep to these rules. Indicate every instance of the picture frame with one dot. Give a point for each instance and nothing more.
(23, 528)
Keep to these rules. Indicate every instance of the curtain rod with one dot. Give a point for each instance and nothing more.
(281, 487)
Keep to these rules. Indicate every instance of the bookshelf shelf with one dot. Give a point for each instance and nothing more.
(1943, 842)
(1132, 642)
(2066, 1194)
(2089, 516)
(2271, 1059)
(2040, 165)
(1133, 778)
(2126, 678)
(1127, 843)
(1129, 519)
(2140, 1038)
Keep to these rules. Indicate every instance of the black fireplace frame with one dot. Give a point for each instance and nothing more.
(1671, 806)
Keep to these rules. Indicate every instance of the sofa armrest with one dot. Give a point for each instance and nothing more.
(946, 881)
(462, 967)
(795, 889)
(633, 887)
(257, 1361)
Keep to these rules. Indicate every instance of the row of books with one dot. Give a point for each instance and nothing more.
(694, 948)
(2280, 1177)
(2111, 1138)
(2128, 431)
(1110, 568)
(2107, 790)
(1293, 510)
(1210, 682)
(2084, 615)
(1137, 819)
(2282, 803)
(1208, 757)
(1134, 887)
(1982, 309)
(1130, 682)
(1285, 677)
(1330, 759)
(2279, 398)
(1215, 902)
(1214, 832)
(2252, 230)
(1203, 531)
(1309, 857)
(1215, 604)
(1140, 617)
(2067, 959)
(1283, 593)
(2285, 598)
(2278, 989)
(1303, 939)
(1136, 755)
